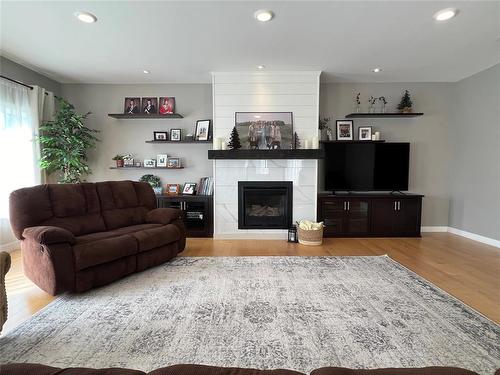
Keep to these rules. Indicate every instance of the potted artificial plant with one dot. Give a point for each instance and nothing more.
(64, 143)
(119, 161)
(154, 181)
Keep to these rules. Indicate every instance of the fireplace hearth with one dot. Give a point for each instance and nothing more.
(265, 204)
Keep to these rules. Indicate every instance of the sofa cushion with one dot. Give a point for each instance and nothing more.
(33, 369)
(91, 253)
(114, 233)
(393, 371)
(212, 370)
(155, 237)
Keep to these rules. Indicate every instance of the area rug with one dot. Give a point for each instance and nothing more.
(298, 313)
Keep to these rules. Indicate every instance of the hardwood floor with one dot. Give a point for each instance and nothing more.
(464, 268)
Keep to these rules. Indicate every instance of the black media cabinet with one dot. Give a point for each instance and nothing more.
(197, 212)
(370, 214)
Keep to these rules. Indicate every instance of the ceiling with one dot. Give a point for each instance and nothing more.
(183, 41)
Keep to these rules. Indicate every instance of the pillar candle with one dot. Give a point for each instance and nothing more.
(217, 143)
(377, 136)
(315, 143)
(223, 145)
(306, 143)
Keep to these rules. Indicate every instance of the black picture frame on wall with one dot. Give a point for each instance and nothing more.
(202, 131)
(160, 136)
(265, 130)
(175, 135)
(345, 130)
(365, 133)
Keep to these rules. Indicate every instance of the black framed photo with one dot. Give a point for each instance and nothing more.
(160, 136)
(265, 130)
(131, 106)
(202, 132)
(175, 134)
(149, 106)
(189, 188)
(174, 163)
(365, 133)
(167, 105)
(344, 130)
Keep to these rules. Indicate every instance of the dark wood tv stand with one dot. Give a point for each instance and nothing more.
(370, 214)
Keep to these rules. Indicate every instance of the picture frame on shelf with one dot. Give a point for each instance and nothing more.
(175, 135)
(161, 160)
(365, 133)
(128, 161)
(167, 105)
(131, 106)
(189, 188)
(202, 132)
(344, 130)
(174, 163)
(265, 130)
(149, 163)
(173, 189)
(149, 106)
(160, 136)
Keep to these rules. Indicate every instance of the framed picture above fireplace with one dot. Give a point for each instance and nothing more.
(265, 130)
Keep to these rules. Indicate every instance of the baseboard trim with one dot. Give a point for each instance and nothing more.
(434, 229)
(10, 247)
(475, 237)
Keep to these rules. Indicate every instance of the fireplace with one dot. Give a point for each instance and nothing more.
(264, 204)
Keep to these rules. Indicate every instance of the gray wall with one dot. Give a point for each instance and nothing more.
(429, 135)
(20, 73)
(193, 101)
(475, 159)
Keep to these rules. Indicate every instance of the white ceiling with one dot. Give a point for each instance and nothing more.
(183, 41)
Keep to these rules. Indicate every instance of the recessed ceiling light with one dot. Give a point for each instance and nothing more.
(263, 15)
(376, 70)
(145, 71)
(260, 67)
(86, 17)
(445, 14)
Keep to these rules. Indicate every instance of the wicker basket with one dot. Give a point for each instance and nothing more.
(310, 237)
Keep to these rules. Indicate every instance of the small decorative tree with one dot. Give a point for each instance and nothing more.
(65, 142)
(406, 104)
(234, 142)
(296, 141)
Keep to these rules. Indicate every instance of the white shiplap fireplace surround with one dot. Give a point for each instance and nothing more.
(296, 92)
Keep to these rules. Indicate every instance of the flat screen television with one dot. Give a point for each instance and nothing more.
(366, 166)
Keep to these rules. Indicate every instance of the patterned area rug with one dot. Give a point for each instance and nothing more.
(266, 312)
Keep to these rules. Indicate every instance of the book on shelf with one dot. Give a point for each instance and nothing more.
(206, 186)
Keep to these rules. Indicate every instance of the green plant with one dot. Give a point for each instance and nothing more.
(151, 179)
(65, 142)
(405, 102)
(118, 157)
(323, 123)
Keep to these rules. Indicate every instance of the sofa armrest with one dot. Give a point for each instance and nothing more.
(163, 215)
(47, 235)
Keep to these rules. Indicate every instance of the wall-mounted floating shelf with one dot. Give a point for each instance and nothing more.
(123, 116)
(379, 141)
(384, 115)
(266, 154)
(125, 168)
(203, 142)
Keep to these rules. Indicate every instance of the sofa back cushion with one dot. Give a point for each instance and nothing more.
(81, 208)
(125, 203)
(75, 207)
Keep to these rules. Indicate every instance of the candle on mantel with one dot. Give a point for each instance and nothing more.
(217, 143)
(306, 143)
(223, 145)
(315, 143)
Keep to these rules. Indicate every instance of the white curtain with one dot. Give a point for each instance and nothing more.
(21, 111)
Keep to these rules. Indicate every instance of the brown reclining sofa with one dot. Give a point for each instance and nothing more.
(75, 237)
(32, 369)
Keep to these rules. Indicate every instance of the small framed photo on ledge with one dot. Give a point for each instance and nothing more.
(161, 160)
(131, 106)
(344, 130)
(167, 105)
(149, 106)
(174, 163)
(175, 134)
(160, 136)
(189, 188)
(365, 133)
(149, 163)
(202, 130)
(173, 189)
